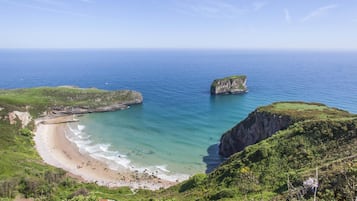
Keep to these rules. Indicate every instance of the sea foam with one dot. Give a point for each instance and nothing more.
(114, 159)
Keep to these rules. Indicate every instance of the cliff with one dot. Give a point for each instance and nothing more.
(266, 121)
(229, 85)
(256, 127)
(106, 102)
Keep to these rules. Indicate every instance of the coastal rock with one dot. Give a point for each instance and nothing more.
(256, 127)
(267, 120)
(229, 85)
(133, 99)
(24, 117)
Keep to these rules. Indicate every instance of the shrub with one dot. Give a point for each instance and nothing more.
(225, 193)
(25, 132)
(193, 182)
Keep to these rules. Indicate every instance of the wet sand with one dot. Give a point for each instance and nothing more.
(56, 150)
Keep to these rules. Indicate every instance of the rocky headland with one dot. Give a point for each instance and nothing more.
(108, 102)
(258, 126)
(229, 85)
(268, 120)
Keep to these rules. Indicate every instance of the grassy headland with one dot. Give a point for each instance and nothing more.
(273, 169)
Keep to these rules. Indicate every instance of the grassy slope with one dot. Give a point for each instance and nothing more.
(42, 98)
(21, 168)
(325, 138)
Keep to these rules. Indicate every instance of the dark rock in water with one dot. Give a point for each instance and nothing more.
(229, 85)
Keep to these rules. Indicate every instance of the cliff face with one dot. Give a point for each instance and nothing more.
(116, 103)
(256, 127)
(229, 85)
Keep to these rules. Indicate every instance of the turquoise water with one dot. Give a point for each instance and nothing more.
(177, 127)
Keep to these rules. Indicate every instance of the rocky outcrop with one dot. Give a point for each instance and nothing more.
(229, 85)
(136, 98)
(84, 109)
(24, 117)
(256, 127)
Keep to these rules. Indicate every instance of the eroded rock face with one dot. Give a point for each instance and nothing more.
(256, 127)
(229, 85)
(24, 117)
(137, 98)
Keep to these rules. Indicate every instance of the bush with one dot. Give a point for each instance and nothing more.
(29, 187)
(225, 193)
(84, 198)
(25, 132)
(193, 182)
(7, 188)
(81, 191)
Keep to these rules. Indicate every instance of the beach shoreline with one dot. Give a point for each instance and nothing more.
(56, 150)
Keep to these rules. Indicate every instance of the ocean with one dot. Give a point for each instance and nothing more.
(176, 130)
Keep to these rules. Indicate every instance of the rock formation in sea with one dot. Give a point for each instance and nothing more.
(229, 85)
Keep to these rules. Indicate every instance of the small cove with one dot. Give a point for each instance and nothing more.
(177, 127)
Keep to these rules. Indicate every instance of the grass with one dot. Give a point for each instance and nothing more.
(323, 137)
(261, 171)
(46, 98)
(305, 111)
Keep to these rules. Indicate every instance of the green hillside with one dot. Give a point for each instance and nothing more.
(322, 138)
(48, 98)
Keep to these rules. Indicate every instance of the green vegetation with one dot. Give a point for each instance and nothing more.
(22, 171)
(240, 77)
(324, 138)
(273, 169)
(44, 98)
(305, 111)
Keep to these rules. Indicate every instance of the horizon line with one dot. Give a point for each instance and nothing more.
(179, 48)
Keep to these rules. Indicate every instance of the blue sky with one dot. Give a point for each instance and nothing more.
(242, 24)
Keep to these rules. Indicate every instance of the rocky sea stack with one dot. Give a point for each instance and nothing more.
(229, 85)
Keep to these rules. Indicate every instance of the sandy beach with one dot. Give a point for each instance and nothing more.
(56, 150)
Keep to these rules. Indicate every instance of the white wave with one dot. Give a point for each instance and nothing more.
(115, 162)
(161, 172)
(162, 168)
(114, 159)
(81, 127)
(104, 147)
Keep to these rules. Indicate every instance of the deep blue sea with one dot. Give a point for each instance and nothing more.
(176, 129)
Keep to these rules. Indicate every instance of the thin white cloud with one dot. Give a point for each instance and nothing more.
(318, 12)
(288, 18)
(49, 2)
(217, 8)
(259, 5)
(210, 8)
(45, 5)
